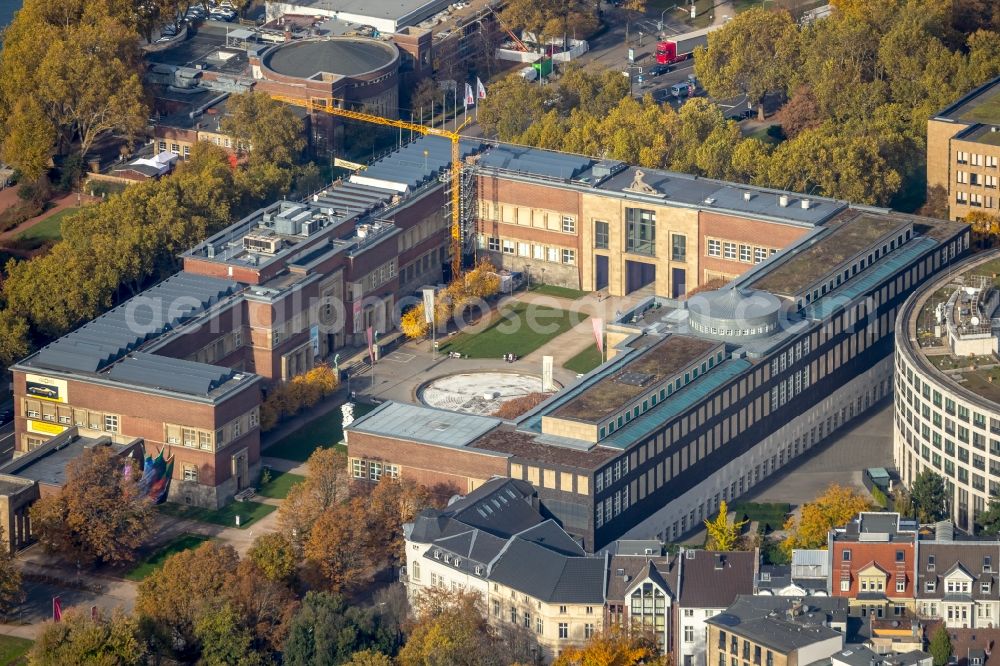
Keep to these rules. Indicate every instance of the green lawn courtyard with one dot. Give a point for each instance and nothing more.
(49, 229)
(13, 650)
(249, 512)
(155, 560)
(585, 361)
(279, 484)
(558, 292)
(518, 330)
(326, 431)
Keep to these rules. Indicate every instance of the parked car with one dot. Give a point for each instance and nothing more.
(661, 95)
(657, 70)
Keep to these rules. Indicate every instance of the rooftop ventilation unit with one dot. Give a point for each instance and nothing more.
(783, 201)
(709, 200)
(747, 196)
(265, 243)
(806, 204)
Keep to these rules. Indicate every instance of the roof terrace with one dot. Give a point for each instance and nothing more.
(658, 363)
(982, 105)
(827, 253)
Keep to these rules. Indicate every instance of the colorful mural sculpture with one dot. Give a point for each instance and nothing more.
(155, 481)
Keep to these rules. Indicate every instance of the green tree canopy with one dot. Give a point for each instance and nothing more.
(940, 647)
(751, 55)
(80, 638)
(929, 496)
(327, 631)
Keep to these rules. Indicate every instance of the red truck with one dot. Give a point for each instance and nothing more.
(671, 51)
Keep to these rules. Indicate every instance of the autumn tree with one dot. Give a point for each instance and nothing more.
(749, 56)
(985, 227)
(99, 515)
(79, 62)
(30, 138)
(368, 658)
(835, 507)
(614, 648)
(223, 639)
(930, 497)
(327, 485)
(723, 535)
(267, 129)
(171, 599)
(11, 593)
(83, 637)
(391, 504)
(327, 630)
(451, 628)
(335, 551)
(274, 555)
(551, 19)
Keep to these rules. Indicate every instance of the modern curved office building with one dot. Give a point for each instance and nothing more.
(947, 415)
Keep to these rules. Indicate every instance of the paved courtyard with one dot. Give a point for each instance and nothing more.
(841, 459)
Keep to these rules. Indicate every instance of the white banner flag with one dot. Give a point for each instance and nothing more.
(480, 89)
(547, 383)
(470, 99)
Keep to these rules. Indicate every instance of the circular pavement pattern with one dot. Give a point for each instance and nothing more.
(477, 392)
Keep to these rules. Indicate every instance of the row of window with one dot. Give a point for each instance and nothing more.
(975, 159)
(733, 251)
(789, 388)
(966, 178)
(372, 470)
(793, 354)
(555, 255)
(974, 199)
(611, 507)
(69, 416)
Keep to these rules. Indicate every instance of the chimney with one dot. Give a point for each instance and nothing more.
(783, 201)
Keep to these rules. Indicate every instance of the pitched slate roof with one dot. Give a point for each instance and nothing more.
(972, 558)
(710, 579)
(782, 623)
(549, 576)
(627, 571)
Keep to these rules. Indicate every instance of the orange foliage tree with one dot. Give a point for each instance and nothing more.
(511, 409)
(302, 391)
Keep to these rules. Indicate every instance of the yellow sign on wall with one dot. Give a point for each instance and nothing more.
(45, 428)
(46, 388)
(353, 166)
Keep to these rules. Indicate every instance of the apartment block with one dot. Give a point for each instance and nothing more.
(963, 150)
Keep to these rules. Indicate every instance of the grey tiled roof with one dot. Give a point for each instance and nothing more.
(970, 557)
(782, 623)
(549, 576)
(703, 585)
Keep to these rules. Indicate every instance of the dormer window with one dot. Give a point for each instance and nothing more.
(930, 585)
(930, 563)
(987, 564)
(765, 576)
(479, 571)
(437, 554)
(985, 586)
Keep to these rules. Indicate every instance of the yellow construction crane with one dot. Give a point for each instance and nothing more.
(327, 105)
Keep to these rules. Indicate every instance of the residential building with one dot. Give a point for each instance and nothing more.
(873, 565)
(642, 593)
(963, 150)
(527, 570)
(708, 583)
(894, 635)
(970, 647)
(701, 399)
(805, 576)
(957, 582)
(863, 656)
(947, 409)
(777, 631)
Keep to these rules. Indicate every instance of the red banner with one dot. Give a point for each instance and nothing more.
(599, 333)
(56, 609)
(371, 344)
